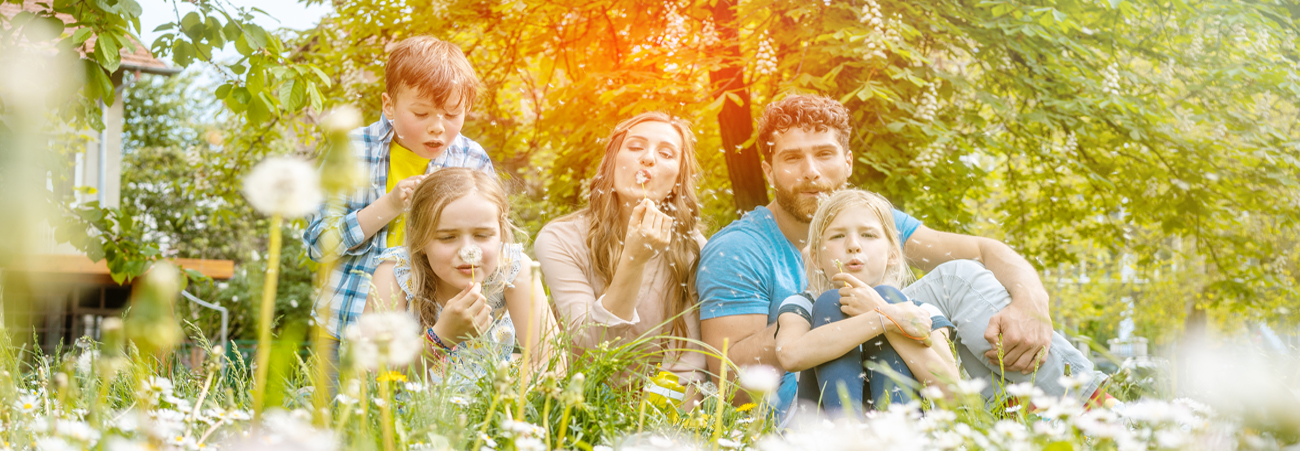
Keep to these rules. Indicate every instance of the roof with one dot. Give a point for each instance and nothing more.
(140, 60)
(80, 266)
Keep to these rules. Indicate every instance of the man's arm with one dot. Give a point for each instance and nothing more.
(750, 341)
(1025, 326)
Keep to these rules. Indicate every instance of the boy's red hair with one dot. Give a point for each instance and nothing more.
(434, 68)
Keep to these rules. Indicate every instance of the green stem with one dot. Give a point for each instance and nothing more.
(385, 409)
(267, 315)
(487, 421)
(546, 420)
(722, 395)
(564, 427)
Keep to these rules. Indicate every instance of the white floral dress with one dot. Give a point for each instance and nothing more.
(472, 358)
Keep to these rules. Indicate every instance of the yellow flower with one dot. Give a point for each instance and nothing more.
(391, 376)
(746, 407)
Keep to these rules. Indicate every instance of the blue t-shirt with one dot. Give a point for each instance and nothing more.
(749, 267)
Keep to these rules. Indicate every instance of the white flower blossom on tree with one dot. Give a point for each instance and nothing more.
(286, 186)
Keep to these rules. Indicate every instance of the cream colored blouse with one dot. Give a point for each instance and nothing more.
(562, 249)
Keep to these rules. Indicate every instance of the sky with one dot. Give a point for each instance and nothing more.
(280, 14)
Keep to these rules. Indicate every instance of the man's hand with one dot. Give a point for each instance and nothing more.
(1026, 336)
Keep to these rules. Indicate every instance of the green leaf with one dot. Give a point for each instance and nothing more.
(81, 35)
(317, 102)
(298, 98)
(165, 27)
(241, 45)
(231, 31)
(255, 36)
(223, 91)
(285, 93)
(192, 25)
(324, 79)
(182, 53)
(258, 110)
(106, 52)
(214, 34)
(256, 80)
(238, 100)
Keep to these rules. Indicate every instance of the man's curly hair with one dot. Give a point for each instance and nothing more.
(813, 112)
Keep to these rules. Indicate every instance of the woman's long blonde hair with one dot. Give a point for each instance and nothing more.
(431, 196)
(896, 273)
(606, 232)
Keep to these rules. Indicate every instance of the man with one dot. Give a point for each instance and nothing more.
(749, 267)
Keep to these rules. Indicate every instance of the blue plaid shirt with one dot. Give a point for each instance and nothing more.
(358, 256)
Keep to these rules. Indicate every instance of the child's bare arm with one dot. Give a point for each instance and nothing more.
(528, 300)
(385, 295)
(929, 364)
(393, 203)
(799, 346)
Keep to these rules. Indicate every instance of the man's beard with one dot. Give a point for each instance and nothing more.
(803, 209)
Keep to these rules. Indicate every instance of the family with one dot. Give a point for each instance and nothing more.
(816, 284)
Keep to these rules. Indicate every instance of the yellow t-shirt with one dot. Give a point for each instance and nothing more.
(402, 164)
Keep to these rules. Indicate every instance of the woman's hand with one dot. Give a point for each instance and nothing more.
(648, 233)
(912, 321)
(464, 317)
(857, 297)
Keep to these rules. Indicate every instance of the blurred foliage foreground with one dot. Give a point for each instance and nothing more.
(1142, 154)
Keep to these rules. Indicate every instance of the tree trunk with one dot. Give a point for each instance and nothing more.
(735, 121)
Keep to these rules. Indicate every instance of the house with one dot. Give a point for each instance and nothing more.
(60, 294)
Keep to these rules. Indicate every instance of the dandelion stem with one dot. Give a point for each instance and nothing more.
(202, 395)
(527, 364)
(267, 315)
(385, 409)
(546, 420)
(487, 421)
(722, 394)
(564, 427)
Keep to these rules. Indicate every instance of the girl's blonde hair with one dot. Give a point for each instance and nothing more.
(606, 232)
(431, 196)
(896, 273)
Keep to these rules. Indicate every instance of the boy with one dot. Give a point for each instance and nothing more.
(430, 88)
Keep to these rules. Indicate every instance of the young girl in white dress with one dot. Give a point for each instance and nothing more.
(462, 275)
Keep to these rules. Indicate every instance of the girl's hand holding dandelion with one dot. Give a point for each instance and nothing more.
(906, 319)
(464, 317)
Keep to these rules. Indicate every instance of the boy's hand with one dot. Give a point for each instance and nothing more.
(400, 197)
(857, 297)
(464, 317)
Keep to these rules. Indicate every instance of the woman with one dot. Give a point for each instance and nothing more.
(625, 264)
